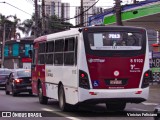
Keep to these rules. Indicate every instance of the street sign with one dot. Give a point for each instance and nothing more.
(156, 54)
(155, 62)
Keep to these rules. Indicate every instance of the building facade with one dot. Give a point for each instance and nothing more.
(16, 53)
(87, 11)
(56, 7)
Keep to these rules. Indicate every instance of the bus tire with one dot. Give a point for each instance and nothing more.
(62, 100)
(42, 99)
(115, 106)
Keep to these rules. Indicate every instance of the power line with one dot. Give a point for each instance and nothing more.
(82, 12)
(16, 7)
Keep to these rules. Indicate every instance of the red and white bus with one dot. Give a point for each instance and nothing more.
(97, 64)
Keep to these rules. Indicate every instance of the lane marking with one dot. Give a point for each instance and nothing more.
(146, 103)
(139, 109)
(61, 114)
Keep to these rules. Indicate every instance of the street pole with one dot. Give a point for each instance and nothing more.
(134, 1)
(81, 14)
(118, 12)
(43, 18)
(36, 19)
(3, 43)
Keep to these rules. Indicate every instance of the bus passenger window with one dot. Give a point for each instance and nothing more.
(69, 51)
(58, 54)
(41, 54)
(58, 58)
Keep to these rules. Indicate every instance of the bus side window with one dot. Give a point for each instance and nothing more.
(69, 51)
(75, 53)
(49, 52)
(58, 54)
(41, 53)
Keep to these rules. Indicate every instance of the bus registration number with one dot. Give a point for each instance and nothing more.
(115, 82)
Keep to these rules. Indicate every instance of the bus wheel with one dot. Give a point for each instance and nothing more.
(62, 101)
(42, 99)
(115, 106)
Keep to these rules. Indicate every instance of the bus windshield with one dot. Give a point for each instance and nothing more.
(115, 40)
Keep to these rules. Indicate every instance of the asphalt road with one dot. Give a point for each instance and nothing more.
(25, 102)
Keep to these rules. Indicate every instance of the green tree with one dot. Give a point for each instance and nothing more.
(27, 26)
(55, 24)
(10, 27)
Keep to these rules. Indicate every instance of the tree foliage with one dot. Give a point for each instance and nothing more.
(9, 26)
(55, 24)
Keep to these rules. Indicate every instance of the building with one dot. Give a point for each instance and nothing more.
(65, 15)
(56, 7)
(16, 53)
(87, 11)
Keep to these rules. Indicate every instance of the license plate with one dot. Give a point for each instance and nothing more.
(29, 88)
(115, 82)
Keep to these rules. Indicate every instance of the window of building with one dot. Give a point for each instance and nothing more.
(6, 51)
(15, 49)
(27, 48)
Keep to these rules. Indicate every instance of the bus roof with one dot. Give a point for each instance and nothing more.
(71, 32)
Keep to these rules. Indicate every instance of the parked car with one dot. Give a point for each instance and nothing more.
(4, 73)
(19, 81)
(157, 111)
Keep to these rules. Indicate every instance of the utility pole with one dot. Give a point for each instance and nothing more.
(134, 1)
(3, 43)
(43, 18)
(118, 12)
(36, 19)
(81, 14)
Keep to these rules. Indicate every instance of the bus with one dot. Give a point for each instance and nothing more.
(97, 64)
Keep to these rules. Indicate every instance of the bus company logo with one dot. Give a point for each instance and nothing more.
(116, 73)
(96, 60)
(6, 114)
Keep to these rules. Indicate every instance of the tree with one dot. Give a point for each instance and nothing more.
(10, 27)
(54, 24)
(27, 26)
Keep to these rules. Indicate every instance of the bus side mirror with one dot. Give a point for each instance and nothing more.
(30, 53)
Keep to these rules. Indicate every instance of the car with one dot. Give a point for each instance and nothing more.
(4, 73)
(19, 81)
(157, 111)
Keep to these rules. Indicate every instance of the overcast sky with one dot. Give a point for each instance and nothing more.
(28, 6)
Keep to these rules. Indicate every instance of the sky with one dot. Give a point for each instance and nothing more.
(26, 7)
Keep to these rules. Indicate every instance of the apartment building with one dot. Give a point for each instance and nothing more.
(56, 7)
(87, 11)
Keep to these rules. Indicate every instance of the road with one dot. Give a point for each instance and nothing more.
(25, 102)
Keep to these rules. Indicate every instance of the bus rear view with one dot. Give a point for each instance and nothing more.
(115, 67)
